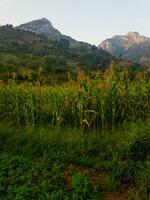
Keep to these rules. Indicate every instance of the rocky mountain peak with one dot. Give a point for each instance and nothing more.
(42, 21)
(41, 27)
(135, 37)
(132, 46)
(44, 27)
(131, 33)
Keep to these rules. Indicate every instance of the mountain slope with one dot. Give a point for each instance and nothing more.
(41, 27)
(25, 49)
(44, 27)
(133, 47)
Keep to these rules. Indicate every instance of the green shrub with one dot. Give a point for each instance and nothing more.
(140, 149)
(126, 172)
(109, 184)
(83, 188)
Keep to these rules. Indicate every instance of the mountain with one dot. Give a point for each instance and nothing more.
(21, 49)
(81, 50)
(133, 47)
(41, 27)
(44, 27)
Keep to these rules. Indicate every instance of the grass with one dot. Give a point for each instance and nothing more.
(63, 163)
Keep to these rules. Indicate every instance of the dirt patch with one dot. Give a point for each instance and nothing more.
(114, 197)
(68, 178)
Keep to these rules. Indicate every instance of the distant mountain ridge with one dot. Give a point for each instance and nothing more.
(41, 27)
(132, 46)
(22, 49)
(44, 27)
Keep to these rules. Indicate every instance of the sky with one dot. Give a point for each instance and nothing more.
(85, 20)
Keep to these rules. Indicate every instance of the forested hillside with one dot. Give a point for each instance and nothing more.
(24, 54)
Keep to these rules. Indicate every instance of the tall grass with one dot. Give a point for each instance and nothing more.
(100, 102)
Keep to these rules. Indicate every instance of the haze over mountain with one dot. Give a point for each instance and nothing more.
(132, 46)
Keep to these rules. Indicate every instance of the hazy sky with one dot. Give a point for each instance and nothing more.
(86, 20)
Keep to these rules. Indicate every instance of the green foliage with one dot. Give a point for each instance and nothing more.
(109, 184)
(58, 195)
(53, 163)
(62, 44)
(127, 172)
(140, 149)
(83, 188)
(23, 179)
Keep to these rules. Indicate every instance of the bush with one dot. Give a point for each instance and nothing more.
(83, 188)
(140, 149)
(109, 184)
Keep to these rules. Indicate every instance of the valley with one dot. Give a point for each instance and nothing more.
(74, 118)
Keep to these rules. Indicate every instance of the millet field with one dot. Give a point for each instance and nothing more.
(84, 139)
